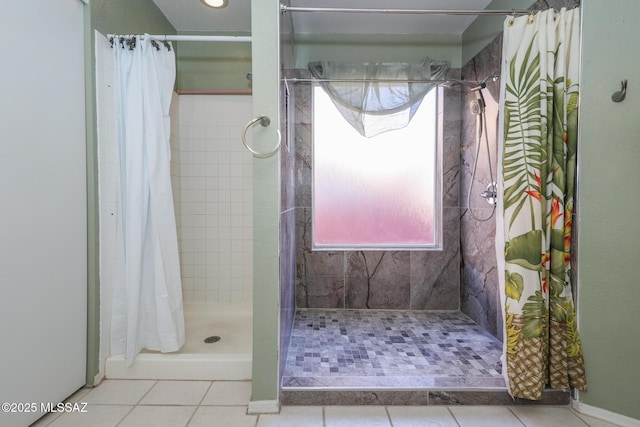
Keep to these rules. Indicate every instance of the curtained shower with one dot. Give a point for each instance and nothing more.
(547, 313)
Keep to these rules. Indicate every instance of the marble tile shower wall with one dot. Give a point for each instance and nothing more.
(479, 275)
(417, 280)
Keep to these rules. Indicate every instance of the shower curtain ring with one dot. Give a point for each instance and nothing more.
(264, 122)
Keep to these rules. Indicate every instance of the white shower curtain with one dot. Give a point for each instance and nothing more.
(147, 300)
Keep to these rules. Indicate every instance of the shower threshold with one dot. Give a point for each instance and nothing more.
(394, 357)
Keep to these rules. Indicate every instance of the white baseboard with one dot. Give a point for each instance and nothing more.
(264, 407)
(98, 379)
(603, 414)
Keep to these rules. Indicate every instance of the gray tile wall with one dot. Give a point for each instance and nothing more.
(417, 280)
(479, 276)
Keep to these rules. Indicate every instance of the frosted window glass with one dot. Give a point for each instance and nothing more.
(375, 192)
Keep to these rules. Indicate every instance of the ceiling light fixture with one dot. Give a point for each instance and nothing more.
(216, 4)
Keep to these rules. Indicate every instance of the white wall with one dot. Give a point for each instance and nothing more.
(43, 214)
(216, 200)
(108, 188)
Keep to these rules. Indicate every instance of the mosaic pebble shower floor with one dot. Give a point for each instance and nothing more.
(388, 349)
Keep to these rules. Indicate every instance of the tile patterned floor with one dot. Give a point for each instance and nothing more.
(389, 348)
(139, 403)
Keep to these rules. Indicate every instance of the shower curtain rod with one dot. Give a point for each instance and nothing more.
(188, 38)
(284, 9)
(313, 80)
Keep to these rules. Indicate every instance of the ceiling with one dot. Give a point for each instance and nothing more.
(192, 15)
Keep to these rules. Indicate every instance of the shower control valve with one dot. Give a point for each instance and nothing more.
(491, 193)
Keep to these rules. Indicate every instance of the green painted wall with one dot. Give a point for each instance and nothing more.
(129, 17)
(213, 65)
(200, 65)
(608, 206)
(224, 66)
(106, 16)
(93, 281)
(485, 28)
(266, 202)
(376, 47)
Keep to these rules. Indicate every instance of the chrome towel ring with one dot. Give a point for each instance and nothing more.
(264, 121)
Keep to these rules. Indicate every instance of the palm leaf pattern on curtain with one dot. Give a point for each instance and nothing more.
(523, 162)
(542, 345)
(522, 119)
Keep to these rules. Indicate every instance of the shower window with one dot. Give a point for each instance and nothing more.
(376, 193)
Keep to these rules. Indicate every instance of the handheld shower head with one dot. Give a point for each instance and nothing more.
(479, 98)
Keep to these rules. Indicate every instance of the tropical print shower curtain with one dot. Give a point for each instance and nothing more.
(538, 163)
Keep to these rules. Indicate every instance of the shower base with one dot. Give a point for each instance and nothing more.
(394, 357)
(226, 359)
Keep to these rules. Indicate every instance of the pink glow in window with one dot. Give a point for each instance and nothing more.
(375, 192)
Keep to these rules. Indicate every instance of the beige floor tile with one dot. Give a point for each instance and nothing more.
(593, 421)
(45, 420)
(96, 416)
(533, 416)
(176, 393)
(78, 395)
(119, 392)
(481, 416)
(356, 416)
(158, 416)
(421, 416)
(228, 393)
(293, 416)
(222, 416)
(175, 404)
